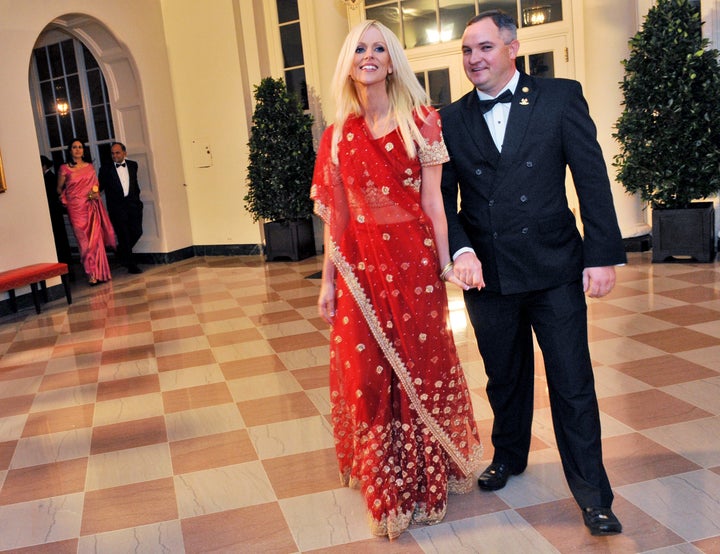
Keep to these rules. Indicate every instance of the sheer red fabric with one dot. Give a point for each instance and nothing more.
(89, 219)
(403, 423)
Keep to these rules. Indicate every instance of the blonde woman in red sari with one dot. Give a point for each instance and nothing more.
(403, 423)
(78, 188)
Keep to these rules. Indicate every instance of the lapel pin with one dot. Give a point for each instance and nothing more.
(524, 102)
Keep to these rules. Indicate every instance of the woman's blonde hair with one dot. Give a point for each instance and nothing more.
(404, 91)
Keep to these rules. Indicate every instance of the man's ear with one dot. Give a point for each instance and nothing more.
(514, 46)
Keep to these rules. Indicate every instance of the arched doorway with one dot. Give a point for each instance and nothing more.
(108, 102)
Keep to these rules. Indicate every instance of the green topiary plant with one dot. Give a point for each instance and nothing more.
(282, 156)
(669, 131)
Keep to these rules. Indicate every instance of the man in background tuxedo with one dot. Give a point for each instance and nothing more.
(122, 194)
(516, 245)
(62, 244)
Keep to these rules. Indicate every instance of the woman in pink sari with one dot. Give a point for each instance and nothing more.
(78, 189)
(403, 423)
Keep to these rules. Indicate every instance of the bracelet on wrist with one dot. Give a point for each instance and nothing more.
(446, 270)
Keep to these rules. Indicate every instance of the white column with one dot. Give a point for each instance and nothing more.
(608, 26)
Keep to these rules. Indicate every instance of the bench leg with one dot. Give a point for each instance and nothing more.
(12, 300)
(43, 289)
(36, 299)
(66, 283)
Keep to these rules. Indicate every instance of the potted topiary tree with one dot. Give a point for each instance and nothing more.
(669, 131)
(280, 171)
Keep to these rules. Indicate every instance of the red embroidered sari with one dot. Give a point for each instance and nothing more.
(402, 418)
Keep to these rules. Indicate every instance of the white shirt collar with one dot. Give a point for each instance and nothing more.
(511, 86)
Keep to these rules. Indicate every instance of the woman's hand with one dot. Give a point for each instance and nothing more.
(326, 302)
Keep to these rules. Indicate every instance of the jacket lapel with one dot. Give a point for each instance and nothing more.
(521, 109)
(477, 129)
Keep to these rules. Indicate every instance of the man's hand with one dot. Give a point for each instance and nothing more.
(598, 281)
(468, 270)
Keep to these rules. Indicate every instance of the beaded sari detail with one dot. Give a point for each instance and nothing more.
(401, 412)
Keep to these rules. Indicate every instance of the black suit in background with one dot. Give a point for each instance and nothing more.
(62, 244)
(514, 213)
(125, 211)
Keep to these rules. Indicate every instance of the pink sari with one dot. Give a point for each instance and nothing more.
(89, 220)
(403, 423)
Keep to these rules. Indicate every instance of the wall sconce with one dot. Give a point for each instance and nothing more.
(536, 15)
(62, 106)
(352, 4)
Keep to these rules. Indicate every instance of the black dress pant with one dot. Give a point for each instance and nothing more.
(504, 326)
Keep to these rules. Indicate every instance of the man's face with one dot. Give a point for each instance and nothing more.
(118, 156)
(488, 56)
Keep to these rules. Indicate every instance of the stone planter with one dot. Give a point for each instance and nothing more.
(684, 234)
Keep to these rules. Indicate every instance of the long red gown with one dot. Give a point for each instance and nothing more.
(89, 219)
(403, 423)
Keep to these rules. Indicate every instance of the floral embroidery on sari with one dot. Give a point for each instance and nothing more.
(401, 412)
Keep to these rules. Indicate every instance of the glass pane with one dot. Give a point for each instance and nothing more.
(420, 23)
(102, 132)
(80, 125)
(387, 15)
(373, 3)
(295, 81)
(95, 87)
(287, 10)
(66, 129)
(439, 80)
(508, 6)
(55, 61)
(90, 62)
(58, 157)
(53, 131)
(454, 17)
(48, 98)
(42, 64)
(69, 56)
(542, 65)
(538, 12)
(104, 153)
(421, 79)
(291, 45)
(74, 95)
(520, 64)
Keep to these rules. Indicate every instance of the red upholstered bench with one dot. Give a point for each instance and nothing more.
(32, 275)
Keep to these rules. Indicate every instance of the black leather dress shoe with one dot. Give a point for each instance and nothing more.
(601, 521)
(495, 476)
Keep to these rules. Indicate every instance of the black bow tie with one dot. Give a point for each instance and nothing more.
(120, 165)
(487, 105)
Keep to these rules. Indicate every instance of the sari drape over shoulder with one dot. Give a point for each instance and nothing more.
(89, 220)
(401, 412)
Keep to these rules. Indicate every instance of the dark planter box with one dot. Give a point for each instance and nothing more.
(684, 234)
(292, 240)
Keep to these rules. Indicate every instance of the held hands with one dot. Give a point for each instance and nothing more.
(466, 272)
(93, 194)
(598, 281)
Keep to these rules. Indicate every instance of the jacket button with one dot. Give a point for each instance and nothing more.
(495, 235)
(491, 203)
(529, 164)
(523, 198)
(478, 172)
(524, 230)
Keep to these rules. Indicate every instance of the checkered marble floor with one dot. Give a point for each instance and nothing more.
(186, 410)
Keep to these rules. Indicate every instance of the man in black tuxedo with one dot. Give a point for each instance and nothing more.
(62, 244)
(122, 193)
(516, 245)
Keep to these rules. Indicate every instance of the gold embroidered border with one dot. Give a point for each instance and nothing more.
(467, 466)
